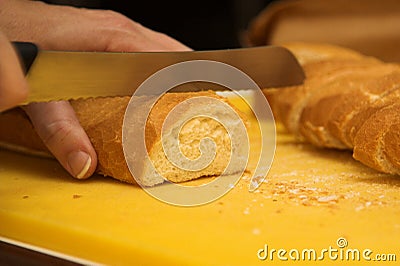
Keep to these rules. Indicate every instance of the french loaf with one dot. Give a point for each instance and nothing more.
(348, 101)
(103, 118)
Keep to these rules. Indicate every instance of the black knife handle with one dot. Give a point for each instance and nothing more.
(27, 52)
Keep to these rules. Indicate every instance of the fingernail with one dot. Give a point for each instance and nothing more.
(79, 163)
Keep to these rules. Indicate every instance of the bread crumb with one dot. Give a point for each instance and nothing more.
(359, 208)
(326, 199)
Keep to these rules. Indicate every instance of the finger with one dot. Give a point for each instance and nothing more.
(111, 30)
(119, 33)
(133, 36)
(13, 86)
(57, 125)
(148, 41)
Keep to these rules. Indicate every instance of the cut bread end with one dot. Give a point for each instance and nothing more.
(103, 119)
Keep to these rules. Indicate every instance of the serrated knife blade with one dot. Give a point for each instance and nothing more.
(64, 75)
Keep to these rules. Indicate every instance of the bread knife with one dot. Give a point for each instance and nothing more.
(64, 75)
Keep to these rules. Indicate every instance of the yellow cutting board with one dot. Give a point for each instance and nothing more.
(312, 200)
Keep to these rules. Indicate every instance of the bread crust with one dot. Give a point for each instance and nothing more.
(317, 59)
(347, 119)
(377, 142)
(102, 119)
(348, 101)
(327, 104)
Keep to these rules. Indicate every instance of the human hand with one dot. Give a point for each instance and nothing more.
(13, 86)
(67, 28)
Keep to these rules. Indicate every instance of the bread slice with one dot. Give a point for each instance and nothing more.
(316, 59)
(102, 119)
(191, 133)
(377, 142)
(291, 101)
(348, 101)
(327, 104)
(355, 106)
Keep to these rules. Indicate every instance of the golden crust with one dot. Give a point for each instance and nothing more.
(347, 119)
(102, 119)
(307, 53)
(326, 103)
(18, 132)
(392, 141)
(104, 128)
(375, 143)
(348, 101)
(291, 101)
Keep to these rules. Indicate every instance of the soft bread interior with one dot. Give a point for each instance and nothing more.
(102, 119)
(197, 137)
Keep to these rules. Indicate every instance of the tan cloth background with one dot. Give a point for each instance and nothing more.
(369, 26)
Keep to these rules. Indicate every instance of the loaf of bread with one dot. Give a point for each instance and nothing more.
(368, 26)
(348, 101)
(103, 118)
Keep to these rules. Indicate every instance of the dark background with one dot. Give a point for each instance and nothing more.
(201, 25)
